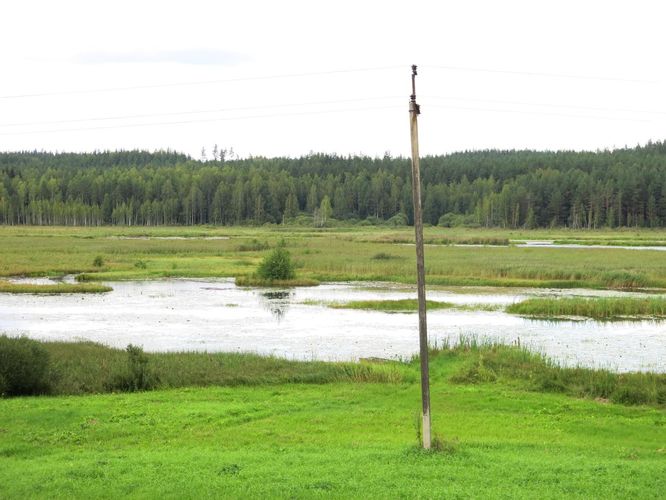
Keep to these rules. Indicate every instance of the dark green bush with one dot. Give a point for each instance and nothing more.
(277, 266)
(98, 261)
(24, 367)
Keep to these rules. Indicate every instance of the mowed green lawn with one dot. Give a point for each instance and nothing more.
(340, 440)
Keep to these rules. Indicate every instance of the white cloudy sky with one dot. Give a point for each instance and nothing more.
(290, 77)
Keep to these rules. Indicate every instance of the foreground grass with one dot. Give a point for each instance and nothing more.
(339, 254)
(596, 308)
(342, 439)
(6, 287)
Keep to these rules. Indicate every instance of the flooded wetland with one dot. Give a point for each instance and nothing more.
(297, 323)
(173, 290)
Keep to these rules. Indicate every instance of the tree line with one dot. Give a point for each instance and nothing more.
(624, 187)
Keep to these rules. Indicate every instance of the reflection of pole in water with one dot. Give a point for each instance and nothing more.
(277, 302)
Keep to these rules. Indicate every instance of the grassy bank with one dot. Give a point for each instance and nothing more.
(506, 438)
(340, 254)
(7, 287)
(596, 308)
(86, 367)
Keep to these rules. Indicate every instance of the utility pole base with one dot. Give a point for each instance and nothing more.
(426, 431)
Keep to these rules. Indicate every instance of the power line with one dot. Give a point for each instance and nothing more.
(320, 73)
(551, 105)
(307, 113)
(546, 113)
(202, 82)
(194, 112)
(540, 74)
(181, 122)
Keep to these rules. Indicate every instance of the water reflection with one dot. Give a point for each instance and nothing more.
(277, 302)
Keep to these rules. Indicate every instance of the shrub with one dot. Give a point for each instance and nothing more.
(398, 219)
(24, 367)
(98, 261)
(277, 266)
(138, 376)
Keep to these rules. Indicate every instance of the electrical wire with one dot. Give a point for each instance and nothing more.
(181, 122)
(202, 82)
(539, 74)
(320, 73)
(549, 105)
(545, 113)
(203, 111)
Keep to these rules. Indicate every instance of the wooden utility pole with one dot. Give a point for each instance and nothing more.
(414, 111)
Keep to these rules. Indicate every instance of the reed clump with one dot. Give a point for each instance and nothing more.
(596, 308)
(261, 282)
(496, 363)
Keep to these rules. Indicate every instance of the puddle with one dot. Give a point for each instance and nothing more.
(215, 315)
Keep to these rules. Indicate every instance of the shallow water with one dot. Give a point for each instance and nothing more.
(551, 244)
(215, 315)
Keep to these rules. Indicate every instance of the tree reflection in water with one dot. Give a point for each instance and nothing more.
(277, 302)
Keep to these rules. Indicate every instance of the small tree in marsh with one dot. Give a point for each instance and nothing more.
(277, 265)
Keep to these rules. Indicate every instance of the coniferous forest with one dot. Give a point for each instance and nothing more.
(619, 188)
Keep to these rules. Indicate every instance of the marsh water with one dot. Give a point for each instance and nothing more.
(215, 315)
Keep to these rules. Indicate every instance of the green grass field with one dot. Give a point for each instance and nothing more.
(504, 438)
(338, 254)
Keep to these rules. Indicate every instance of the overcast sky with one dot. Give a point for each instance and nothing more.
(287, 78)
